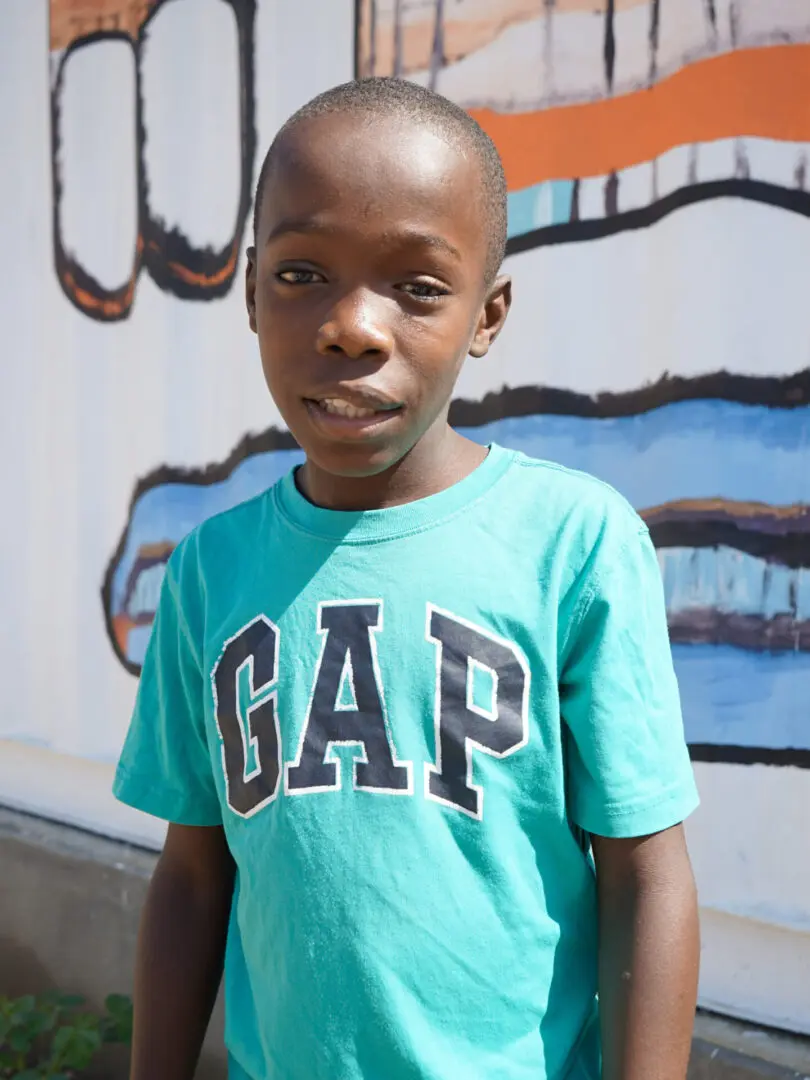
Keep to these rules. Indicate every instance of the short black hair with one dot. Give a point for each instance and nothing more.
(402, 98)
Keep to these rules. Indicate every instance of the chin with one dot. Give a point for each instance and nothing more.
(353, 462)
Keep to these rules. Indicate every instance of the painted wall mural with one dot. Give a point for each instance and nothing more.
(175, 263)
(611, 116)
(657, 153)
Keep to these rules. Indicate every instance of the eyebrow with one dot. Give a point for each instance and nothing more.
(410, 237)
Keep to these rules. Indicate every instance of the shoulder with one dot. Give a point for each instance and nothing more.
(573, 503)
(584, 529)
(223, 540)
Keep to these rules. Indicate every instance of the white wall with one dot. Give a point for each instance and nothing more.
(89, 408)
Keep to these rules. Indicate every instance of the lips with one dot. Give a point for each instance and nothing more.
(351, 411)
(341, 407)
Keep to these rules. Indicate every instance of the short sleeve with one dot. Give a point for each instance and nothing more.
(629, 772)
(165, 767)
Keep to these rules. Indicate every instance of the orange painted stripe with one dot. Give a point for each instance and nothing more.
(206, 281)
(111, 308)
(798, 513)
(756, 92)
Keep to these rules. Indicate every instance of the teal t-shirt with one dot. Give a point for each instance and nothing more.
(407, 720)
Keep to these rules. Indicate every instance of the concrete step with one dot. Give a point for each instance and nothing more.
(69, 910)
(727, 1049)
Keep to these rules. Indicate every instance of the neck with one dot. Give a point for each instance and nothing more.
(439, 460)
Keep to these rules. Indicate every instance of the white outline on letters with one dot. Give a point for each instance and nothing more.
(363, 757)
(272, 686)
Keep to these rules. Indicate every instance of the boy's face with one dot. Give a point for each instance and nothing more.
(367, 286)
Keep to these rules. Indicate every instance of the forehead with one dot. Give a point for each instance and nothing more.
(365, 173)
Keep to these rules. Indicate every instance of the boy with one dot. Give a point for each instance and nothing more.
(400, 708)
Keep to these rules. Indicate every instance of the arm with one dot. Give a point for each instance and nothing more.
(180, 952)
(648, 957)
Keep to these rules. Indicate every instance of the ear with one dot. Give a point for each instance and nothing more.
(250, 287)
(493, 315)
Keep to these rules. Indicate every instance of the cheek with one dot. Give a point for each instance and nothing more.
(273, 348)
(281, 336)
(439, 346)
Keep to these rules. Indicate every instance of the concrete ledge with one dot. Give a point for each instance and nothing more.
(712, 1062)
(69, 907)
(726, 1049)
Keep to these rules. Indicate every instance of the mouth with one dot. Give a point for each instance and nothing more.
(358, 415)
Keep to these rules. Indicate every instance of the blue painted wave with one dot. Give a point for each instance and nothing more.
(697, 449)
(688, 450)
(692, 449)
(539, 206)
(732, 697)
(168, 512)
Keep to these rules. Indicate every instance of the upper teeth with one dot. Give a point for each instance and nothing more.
(344, 408)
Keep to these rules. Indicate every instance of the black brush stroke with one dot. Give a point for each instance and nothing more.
(610, 43)
(572, 232)
(358, 27)
(166, 248)
(574, 214)
(66, 265)
(775, 392)
(655, 28)
(716, 753)
(167, 254)
(397, 39)
(734, 24)
(611, 195)
(790, 549)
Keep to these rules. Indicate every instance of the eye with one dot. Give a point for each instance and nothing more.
(299, 277)
(423, 290)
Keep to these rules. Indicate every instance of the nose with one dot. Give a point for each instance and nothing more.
(356, 327)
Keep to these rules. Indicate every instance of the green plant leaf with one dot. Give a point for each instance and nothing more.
(117, 1026)
(8, 1061)
(74, 1047)
(71, 1001)
(49, 998)
(19, 1040)
(29, 1074)
(36, 1023)
(115, 1002)
(21, 1009)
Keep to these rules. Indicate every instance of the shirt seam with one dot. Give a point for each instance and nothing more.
(174, 589)
(619, 810)
(555, 466)
(585, 601)
(124, 772)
